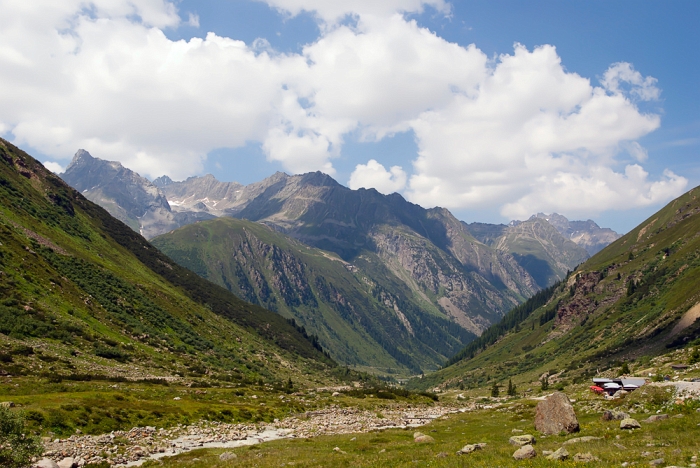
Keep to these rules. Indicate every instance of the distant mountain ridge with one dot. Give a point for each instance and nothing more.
(587, 233)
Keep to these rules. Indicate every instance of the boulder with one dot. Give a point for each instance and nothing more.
(656, 417)
(46, 463)
(227, 456)
(561, 454)
(555, 414)
(576, 440)
(425, 439)
(585, 457)
(520, 440)
(469, 448)
(629, 423)
(525, 452)
(614, 415)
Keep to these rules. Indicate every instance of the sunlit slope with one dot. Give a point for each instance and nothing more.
(76, 281)
(638, 296)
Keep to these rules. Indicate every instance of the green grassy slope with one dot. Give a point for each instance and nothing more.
(635, 298)
(361, 315)
(83, 294)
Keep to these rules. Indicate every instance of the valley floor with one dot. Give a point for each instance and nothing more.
(368, 432)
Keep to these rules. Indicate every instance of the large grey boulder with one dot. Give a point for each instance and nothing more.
(525, 452)
(555, 414)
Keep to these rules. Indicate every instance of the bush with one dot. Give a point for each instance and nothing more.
(16, 446)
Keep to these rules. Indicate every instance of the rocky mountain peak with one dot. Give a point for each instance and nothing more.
(162, 181)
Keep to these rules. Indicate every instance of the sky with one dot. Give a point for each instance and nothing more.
(494, 109)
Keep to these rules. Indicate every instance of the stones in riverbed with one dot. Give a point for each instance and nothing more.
(520, 440)
(525, 452)
(630, 423)
(46, 463)
(555, 414)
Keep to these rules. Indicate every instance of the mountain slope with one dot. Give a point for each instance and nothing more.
(638, 296)
(361, 319)
(80, 283)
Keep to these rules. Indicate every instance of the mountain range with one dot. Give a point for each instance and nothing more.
(386, 285)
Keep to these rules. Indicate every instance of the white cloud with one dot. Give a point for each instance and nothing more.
(54, 167)
(502, 133)
(375, 175)
(623, 73)
(531, 129)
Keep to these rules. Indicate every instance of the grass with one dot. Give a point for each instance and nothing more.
(674, 440)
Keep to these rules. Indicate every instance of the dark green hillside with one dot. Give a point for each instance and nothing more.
(637, 297)
(84, 294)
(362, 316)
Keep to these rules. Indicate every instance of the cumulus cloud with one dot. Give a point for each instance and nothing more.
(531, 129)
(506, 133)
(375, 175)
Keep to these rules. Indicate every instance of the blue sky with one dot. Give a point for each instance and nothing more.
(596, 114)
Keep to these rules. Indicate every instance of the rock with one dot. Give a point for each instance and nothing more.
(629, 423)
(657, 462)
(561, 454)
(516, 431)
(655, 417)
(227, 456)
(585, 457)
(442, 455)
(335, 394)
(7, 404)
(520, 440)
(46, 463)
(620, 446)
(425, 439)
(614, 415)
(67, 462)
(525, 452)
(555, 414)
(469, 448)
(576, 440)
(337, 449)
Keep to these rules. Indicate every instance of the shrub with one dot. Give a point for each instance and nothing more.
(16, 446)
